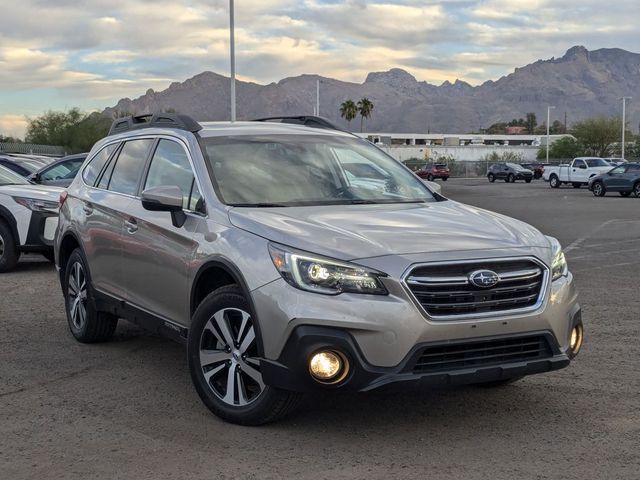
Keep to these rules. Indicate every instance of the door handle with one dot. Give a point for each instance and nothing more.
(132, 225)
(87, 208)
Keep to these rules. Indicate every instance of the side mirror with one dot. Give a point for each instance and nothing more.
(165, 198)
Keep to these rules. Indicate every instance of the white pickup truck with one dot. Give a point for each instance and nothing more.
(577, 173)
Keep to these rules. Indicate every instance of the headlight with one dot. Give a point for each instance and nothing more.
(559, 266)
(37, 205)
(324, 275)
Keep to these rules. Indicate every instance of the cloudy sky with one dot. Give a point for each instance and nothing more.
(57, 54)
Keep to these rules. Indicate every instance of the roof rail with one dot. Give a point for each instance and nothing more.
(306, 120)
(158, 120)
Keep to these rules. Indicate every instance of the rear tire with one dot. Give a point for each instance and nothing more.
(636, 189)
(430, 177)
(224, 361)
(87, 324)
(491, 178)
(444, 179)
(598, 189)
(554, 181)
(511, 178)
(528, 180)
(9, 253)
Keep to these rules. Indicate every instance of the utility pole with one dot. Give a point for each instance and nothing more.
(232, 51)
(565, 122)
(549, 108)
(318, 97)
(624, 120)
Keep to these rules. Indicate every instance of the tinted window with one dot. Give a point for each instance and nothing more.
(129, 166)
(66, 169)
(578, 164)
(618, 170)
(93, 169)
(7, 177)
(597, 162)
(170, 166)
(633, 169)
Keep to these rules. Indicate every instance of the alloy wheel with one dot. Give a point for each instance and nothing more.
(636, 190)
(77, 295)
(229, 357)
(597, 189)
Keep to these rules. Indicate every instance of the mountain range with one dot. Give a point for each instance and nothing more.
(581, 83)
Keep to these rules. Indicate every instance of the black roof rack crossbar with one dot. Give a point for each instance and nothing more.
(306, 120)
(158, 120)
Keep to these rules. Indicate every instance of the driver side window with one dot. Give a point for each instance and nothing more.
(170, 166)
(618, 170)
(579, 164)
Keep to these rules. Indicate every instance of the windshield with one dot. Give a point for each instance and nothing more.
(597, 162)
(7, 177)
(296, 170)
(515, 166)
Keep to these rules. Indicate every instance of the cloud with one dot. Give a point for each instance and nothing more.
(13, 125)
(106, 49)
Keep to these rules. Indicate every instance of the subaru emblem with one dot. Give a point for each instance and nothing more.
(484, 278)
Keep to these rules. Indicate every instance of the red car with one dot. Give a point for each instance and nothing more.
(431, 172)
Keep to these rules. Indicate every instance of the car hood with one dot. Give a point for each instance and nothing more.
(39, 192)
(363, 231)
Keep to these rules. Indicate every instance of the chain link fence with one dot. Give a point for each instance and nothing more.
(475, 169)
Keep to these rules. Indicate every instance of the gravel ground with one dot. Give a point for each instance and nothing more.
(126, 409)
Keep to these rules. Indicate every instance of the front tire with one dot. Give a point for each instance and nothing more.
(636, 190)
(444, 179)
(9, 253)
(554, 181)
(87, 324)
(511, 178)
(430, 177)
(528, 180)
(491, 178)
(598, 189)
(224, 361)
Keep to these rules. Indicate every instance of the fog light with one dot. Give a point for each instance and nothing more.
(328, 366)
(575, 342)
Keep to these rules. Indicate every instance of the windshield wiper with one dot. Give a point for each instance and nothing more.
(258, 205)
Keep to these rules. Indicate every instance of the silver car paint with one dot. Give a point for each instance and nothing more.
(159, 268)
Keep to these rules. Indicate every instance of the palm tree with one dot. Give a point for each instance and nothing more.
(365, 107)
(348, 110)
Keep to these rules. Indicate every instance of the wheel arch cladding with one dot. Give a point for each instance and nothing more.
(7, 217)
(68, 244)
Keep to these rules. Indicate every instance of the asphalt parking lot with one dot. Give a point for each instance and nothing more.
(127, 409)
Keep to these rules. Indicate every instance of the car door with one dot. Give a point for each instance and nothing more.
(105, 206)
(158, 254)
(630, 177)
(614, 180)
(579, 172)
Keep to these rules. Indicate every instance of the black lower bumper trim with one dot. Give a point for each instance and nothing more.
(290, 371)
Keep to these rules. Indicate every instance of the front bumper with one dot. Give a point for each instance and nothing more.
(382, 332)
(290, 371)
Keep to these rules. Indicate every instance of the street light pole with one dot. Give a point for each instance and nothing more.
(549, 108)
(232, 51)
(624, 120)
(318, 97)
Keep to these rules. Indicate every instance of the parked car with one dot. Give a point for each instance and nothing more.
(577, 173)
(614, 161)
(536, 168)
(434, 171)
(624, 179)
(509, 172)
(28, 218)
(16, 167)
(59, 173)
(250, 243)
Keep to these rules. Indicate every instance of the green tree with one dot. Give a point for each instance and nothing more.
(365, 107)
(598, 134)
(531, 123)
(566, 147)
(4, 139)
(557, 128)
(348, 110)
(73, 129)
(497, 128)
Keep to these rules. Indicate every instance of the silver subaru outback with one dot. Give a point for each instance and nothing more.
(291, 257)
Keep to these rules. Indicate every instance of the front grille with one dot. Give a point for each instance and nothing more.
(482, 353)
(445, 290)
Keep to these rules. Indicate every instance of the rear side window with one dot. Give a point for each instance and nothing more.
(633, 169)
(170, 167)
(129, 166)
(95, 166)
